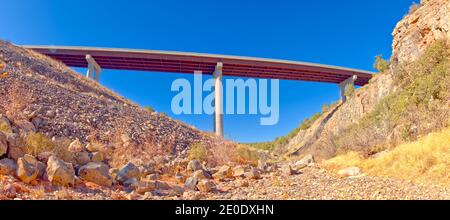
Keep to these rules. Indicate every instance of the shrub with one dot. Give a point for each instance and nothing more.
(4, 127)
(325, 108)
(198, 152)
(37, 143)
(246, 155)
(149, 109)
(380, 64)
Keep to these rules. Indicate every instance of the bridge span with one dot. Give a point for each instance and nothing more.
(217, 65)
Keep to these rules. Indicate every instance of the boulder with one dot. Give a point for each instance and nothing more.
(42, 170)
(27, 169)
(160, 185)
(96, 172)
(239, 171)
(194, 165)
(304, 162)
(201, 174)
(127, 172)
(7, 166)
(253, 174)
(349, 171)
(82, 158)
(16, 148)
(143, 187)
(5, 124)
(3, 144)
(224, 172)
(153, 176)
(59, 172)
(76, 146)
(191, 183)
(206, 186)
(97, 157)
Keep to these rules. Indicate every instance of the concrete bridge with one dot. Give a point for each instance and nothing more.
(218, 65)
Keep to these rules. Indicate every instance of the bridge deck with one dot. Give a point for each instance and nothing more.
(181, 62)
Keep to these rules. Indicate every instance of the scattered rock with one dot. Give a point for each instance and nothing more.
(224, 172)
(16, 147)
(304, 162)
(153, 176)
(143, 187)
(162, 185)
(59, 172)
(350, 171)
(42, 170)
(191, 195)
(96, 172)
(131, 182)
(206, 185)
(287, 170)
(3, 144)
(27, 169)
(127, 172)
(7, 166)
(239, 171)
(76, 147)
(201, 174)
(242, 183)
(97, 157)
(191, 183)
(194, 165)
(179, 177)
(82, 158)
(253, 174)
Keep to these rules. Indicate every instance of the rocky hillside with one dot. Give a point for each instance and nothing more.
(41, 95)
(400, 104)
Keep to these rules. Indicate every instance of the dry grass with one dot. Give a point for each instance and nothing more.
(198, 152)
(425, 160)
(36, 143)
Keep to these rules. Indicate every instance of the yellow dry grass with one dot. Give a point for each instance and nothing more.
(426, 160)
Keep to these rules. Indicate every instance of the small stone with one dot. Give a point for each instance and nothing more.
(191, 195)
(191, 183)
(206, 186)
(253, 174)
(153, 176)
(162, 185)
(350, 171)
(287, 170)
(194, 165)
(201, 174)
(179, 177)
(304, 162)
(239, 171)
(224, 172)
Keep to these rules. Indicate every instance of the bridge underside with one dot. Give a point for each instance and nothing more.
(217, 65)
(176, 62)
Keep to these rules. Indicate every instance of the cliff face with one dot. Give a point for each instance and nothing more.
(421, 28)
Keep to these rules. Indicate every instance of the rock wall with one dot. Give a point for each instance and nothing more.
(422, 27)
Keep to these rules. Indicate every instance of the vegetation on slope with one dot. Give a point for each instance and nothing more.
(425, 160)
(419, 106)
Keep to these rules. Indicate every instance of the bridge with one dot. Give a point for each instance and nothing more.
(95, 59)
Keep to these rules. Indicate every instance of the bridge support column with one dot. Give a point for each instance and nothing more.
(93, 67)
(218, 100)
(345, 85)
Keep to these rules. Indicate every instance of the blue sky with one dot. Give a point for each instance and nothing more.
(344, 33)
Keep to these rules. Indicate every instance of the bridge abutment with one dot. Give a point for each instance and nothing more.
(345, 85)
